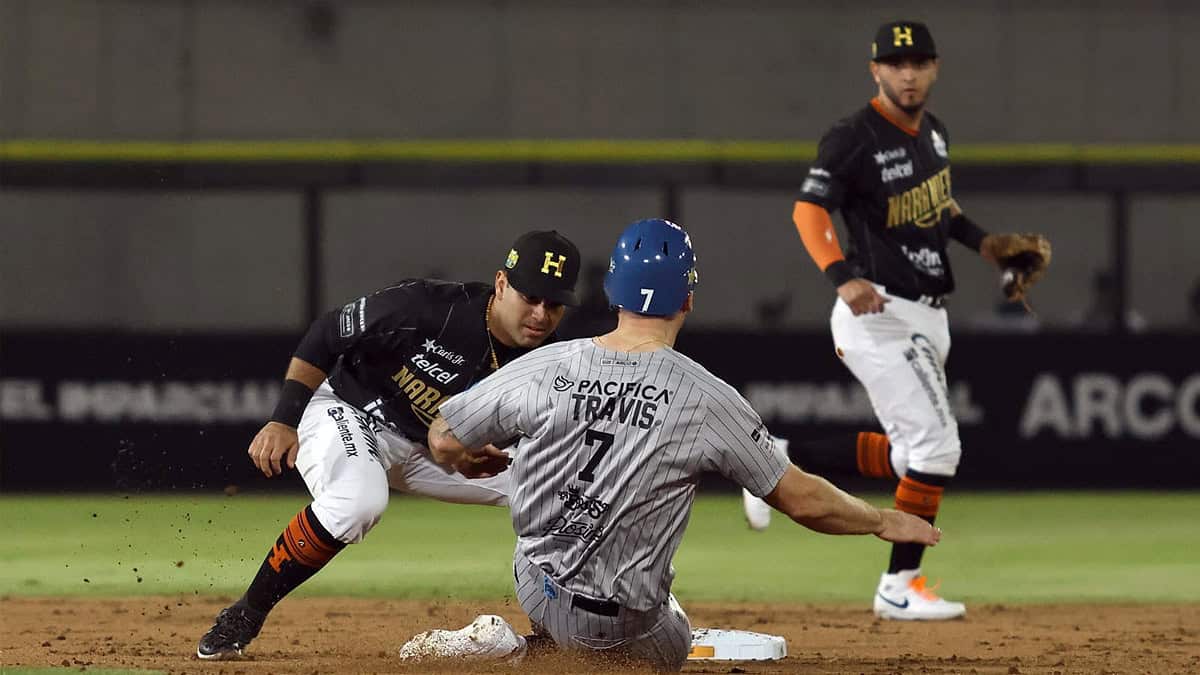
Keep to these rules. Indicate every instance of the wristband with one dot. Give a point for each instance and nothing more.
(293, 398)
(839, 272)
(966, 231)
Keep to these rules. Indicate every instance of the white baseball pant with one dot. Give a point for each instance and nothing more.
(899, 356)
(349, 462)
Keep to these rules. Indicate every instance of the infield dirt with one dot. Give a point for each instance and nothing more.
(331, 635)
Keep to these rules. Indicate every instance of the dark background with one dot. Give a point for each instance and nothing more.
(1108, 412)
(184, 185)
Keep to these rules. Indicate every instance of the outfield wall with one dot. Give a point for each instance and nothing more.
(175, 259)
(137, 411)
(1013, 70)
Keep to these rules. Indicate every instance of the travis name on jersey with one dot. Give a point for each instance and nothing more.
(631, 403)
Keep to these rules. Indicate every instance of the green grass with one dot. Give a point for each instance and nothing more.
(1040, 547)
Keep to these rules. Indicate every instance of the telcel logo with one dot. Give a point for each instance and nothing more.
(433, 369)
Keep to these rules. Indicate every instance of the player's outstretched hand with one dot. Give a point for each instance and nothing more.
(902, 528)
(862, 297)
(483, 462)
(274, 444)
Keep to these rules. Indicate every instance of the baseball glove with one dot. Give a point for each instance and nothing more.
(1023, 259)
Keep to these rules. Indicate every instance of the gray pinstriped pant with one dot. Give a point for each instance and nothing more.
(661, 636)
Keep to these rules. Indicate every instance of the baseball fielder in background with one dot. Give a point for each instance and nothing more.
(615, 432)
(887, 168)
(359, 395)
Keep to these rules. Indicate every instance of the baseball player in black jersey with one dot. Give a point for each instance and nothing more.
(359, 395)
(887, 168)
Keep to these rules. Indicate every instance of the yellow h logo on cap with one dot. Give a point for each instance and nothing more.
(901, 34)
(556, 264)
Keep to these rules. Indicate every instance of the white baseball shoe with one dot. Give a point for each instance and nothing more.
(758, 513)
(487, 638)
(904, 596)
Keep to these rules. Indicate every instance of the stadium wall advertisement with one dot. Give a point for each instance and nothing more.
(120, 411)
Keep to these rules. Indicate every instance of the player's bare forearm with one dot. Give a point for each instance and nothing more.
(305, 372)
(818, 505)
(450, 452)
(445, 447)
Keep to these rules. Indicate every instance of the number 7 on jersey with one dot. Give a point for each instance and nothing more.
(591, 438)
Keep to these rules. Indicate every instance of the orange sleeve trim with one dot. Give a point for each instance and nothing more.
(817, 233)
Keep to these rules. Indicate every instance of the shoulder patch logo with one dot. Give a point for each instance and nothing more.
(939, 144)
(346, 320)
(815, 187)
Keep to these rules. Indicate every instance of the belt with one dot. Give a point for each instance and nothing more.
(601, 607)
(930, 300)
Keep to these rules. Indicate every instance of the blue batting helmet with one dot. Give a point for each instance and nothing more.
(652, 268)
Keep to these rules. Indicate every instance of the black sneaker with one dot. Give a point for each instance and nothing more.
(233, 630)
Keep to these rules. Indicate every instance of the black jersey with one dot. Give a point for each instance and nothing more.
(893, 188)
(400, 352)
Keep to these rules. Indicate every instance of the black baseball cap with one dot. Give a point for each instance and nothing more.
(899, 39)
(544, 264)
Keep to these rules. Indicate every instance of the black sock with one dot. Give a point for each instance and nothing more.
(907, 556)
(911, 496)
(301, 550)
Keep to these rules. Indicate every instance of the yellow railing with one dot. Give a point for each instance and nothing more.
(558, 151)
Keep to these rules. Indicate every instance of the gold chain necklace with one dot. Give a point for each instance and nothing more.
(487, 322)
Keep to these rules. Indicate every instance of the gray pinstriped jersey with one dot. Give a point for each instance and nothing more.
(613, 446)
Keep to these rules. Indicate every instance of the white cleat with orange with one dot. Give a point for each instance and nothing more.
(904, 596)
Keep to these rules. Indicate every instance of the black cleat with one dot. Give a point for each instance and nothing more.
(233, 630)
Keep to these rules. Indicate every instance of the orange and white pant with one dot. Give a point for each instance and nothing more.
(899, 356)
